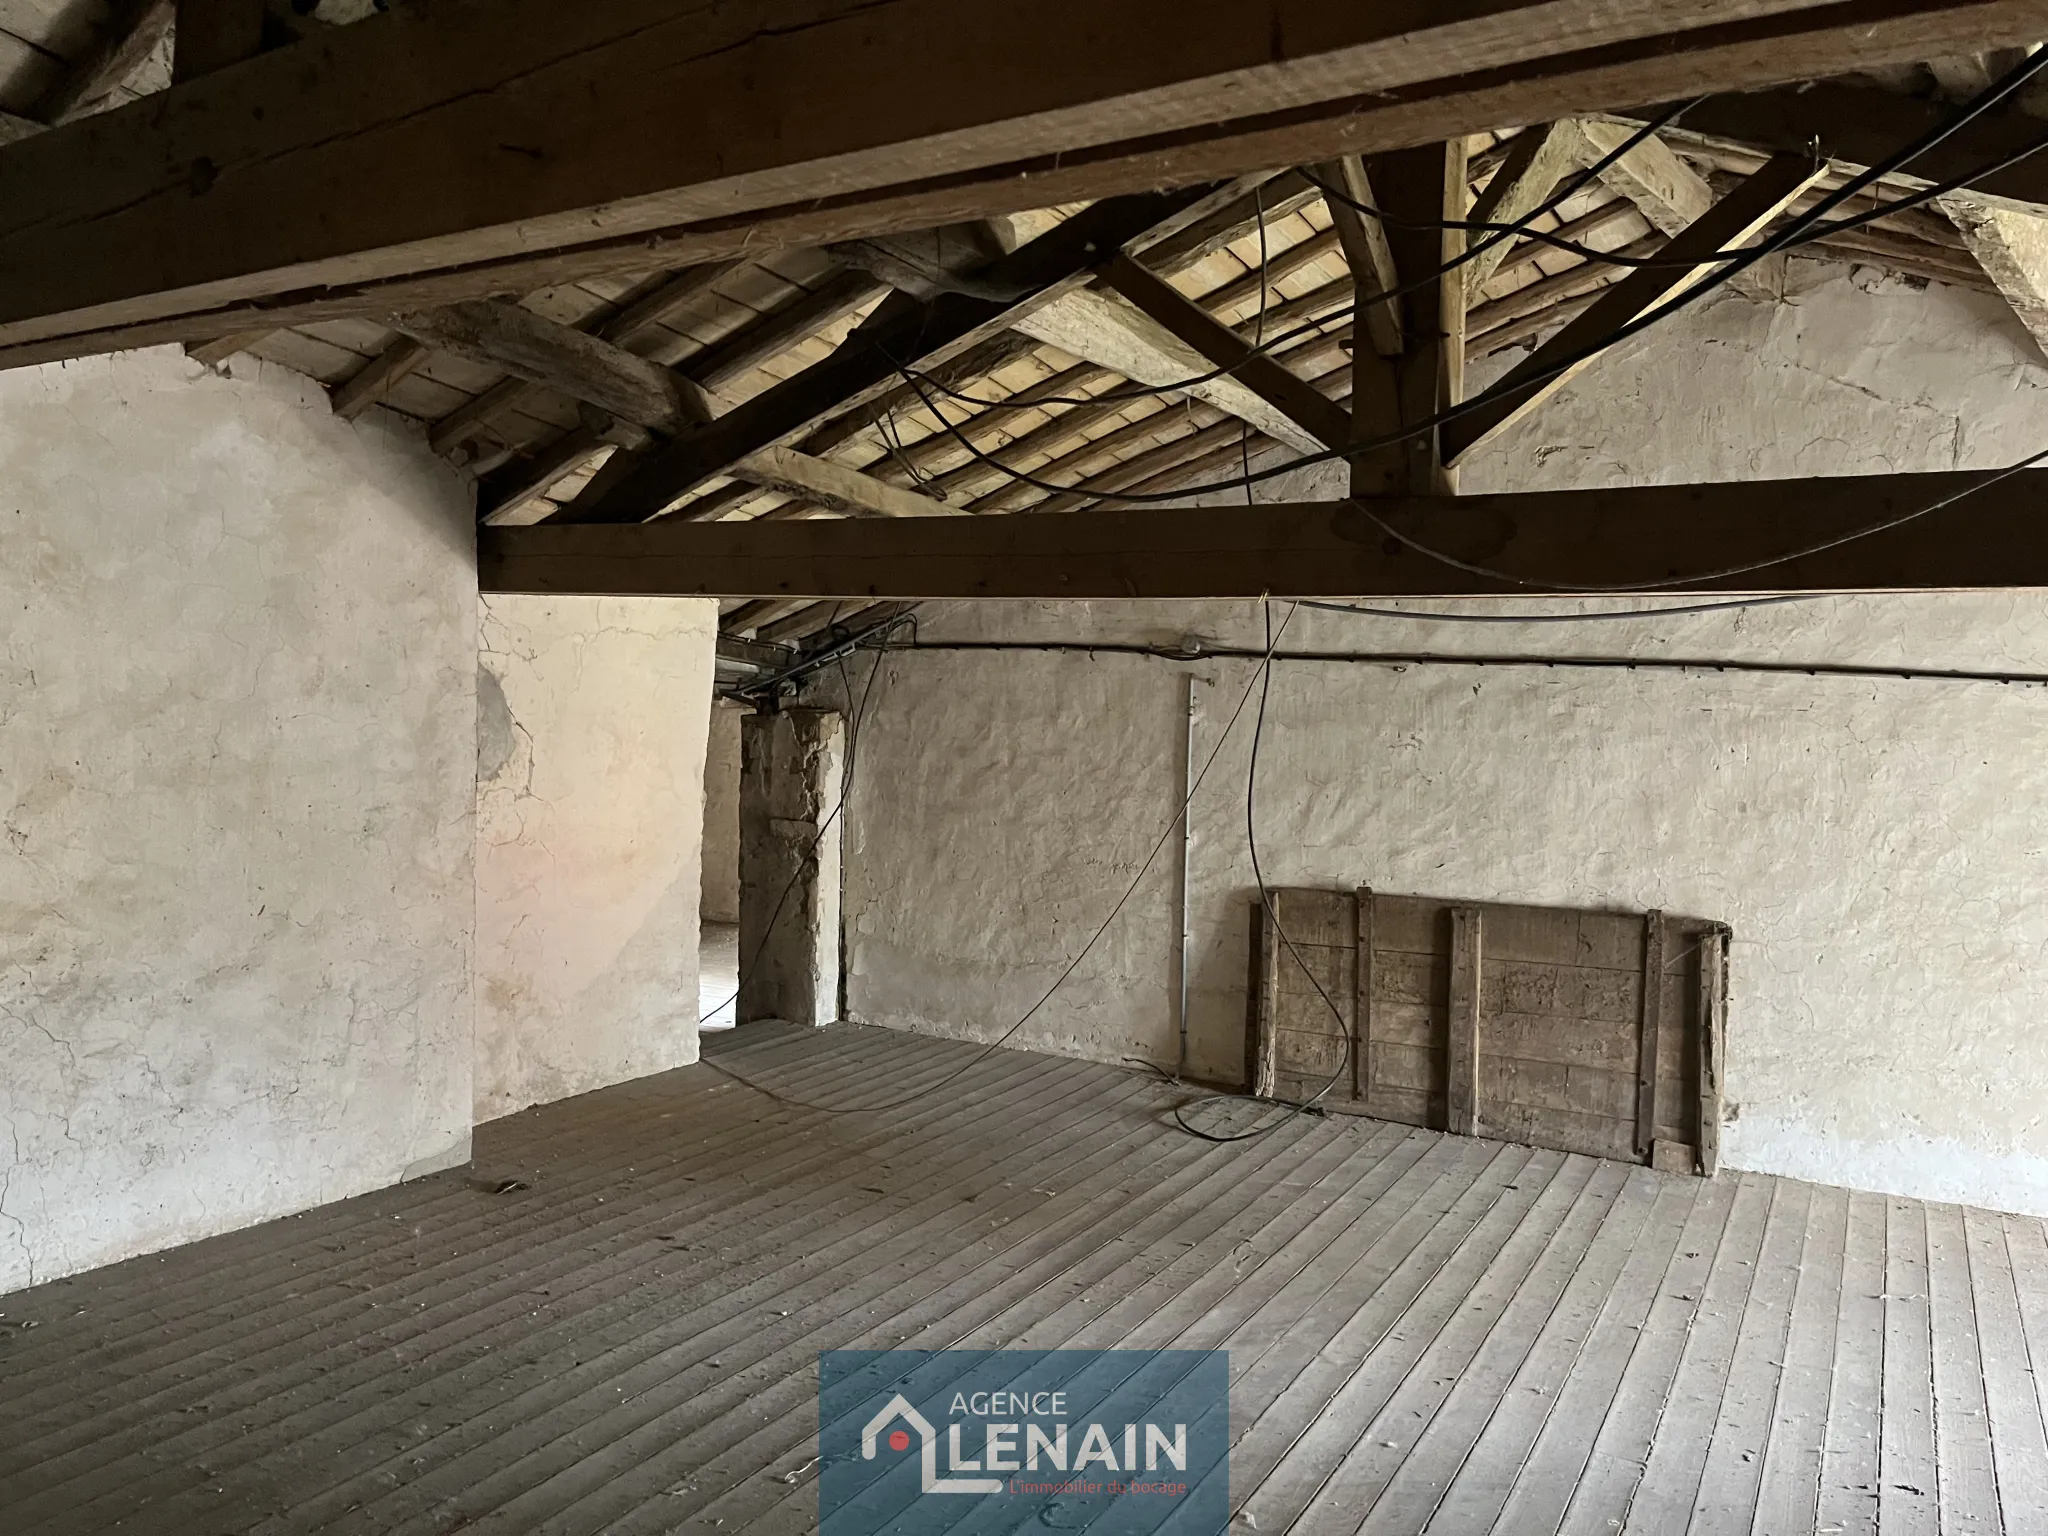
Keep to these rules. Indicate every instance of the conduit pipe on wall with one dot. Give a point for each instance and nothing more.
(1454, 659)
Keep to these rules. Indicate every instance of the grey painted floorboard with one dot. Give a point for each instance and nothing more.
(1427, 1334)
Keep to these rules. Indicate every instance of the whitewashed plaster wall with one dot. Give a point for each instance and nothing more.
(592, 716)
(236, 750)
(1880, 844)
(721, 903)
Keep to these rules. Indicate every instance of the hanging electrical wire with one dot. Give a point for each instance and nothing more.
(1060, 981)
(1655, 315)
(1271, 915)
(854, 723)
(1439, 617)
(1260, 682)
(1722, 573)
(1314, 327)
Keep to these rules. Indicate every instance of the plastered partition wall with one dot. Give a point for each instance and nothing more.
(591, 726)
(236, 790)
(1879, 843)
(721, 901)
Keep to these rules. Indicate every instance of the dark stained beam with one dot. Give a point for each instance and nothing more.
(212, 34)
(553, 146)
(903, 334)
(1732, 222)
(1552, 543)
(1421, 190)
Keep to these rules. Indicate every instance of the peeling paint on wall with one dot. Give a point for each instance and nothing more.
(1878, 844)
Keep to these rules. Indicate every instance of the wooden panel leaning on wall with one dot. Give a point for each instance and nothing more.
(1585, 1031)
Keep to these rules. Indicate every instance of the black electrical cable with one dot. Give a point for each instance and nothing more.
(772, 684)
(1736, 264)
(1726, 572)
(1436, 617)
(1072, 966)
(845, 789)
(1650, 317)
(1596, 255)
(1181, 386)
(1555, 661)
(1251, 833)
(1294, 1108)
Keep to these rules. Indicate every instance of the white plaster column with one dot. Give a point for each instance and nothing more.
(793, 771)
(591, 721)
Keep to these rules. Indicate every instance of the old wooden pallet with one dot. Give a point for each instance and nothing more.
(1530, 1024)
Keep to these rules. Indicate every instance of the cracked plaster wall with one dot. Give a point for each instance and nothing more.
(1879, 844)
(590, 792)
(236, 741)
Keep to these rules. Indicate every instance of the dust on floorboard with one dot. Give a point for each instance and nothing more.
(1425, 1331)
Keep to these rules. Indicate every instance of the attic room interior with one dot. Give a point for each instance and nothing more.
(861, 765)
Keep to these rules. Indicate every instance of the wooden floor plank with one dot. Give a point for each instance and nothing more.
(1665, 1498)
(270, 1361)
(1908, 1490)
(301, 1407)
(1648, 1471)
(1558, 1227)
(1536, 1442)
(632, 1393)
(1962, 1429)
(1249, 1284)
(1789, 1486)
(1280, 1459)
(1848, 1499)
(1427, 1332)
(1560, 1294)
(2012, 1375)
(1727, 1500)
(1052, 1315)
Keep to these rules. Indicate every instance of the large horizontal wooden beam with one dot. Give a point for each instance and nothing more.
(459, 150)
(1547, 544)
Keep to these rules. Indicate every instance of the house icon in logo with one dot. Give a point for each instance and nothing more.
(898, 1407)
